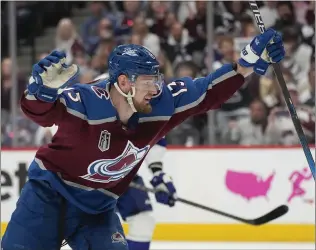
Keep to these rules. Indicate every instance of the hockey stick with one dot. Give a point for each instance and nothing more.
(272, 215)
(277, 70)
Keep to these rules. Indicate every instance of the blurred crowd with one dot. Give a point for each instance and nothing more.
(176, 33)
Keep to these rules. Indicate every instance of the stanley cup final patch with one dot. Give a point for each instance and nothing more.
(118, 238)
(104, 141)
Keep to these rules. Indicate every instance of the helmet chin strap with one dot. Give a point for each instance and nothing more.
(129, 96)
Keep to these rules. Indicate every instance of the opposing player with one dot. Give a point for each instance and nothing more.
(105, 132)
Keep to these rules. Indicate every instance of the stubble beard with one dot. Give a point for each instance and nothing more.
(143, 108)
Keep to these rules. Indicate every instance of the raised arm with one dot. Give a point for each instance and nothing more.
(47, 99)
(196, 96)
(47, 114)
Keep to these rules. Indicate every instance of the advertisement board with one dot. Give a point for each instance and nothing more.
(247, 182)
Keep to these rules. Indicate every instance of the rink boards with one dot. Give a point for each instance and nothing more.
(247, 182)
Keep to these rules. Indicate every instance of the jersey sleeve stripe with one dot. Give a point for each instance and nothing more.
(222, 77)
(218, 76)
(84, 117)
(190, 105)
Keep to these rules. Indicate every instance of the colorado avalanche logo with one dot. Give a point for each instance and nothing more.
(118, 238)
(100, 92)
(108, 170)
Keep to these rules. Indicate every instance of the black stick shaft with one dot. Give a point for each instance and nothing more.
(278, 72)
(256, 222)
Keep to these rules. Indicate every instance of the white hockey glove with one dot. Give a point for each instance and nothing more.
(50, 76)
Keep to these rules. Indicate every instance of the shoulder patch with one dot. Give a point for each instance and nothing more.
(100, 92)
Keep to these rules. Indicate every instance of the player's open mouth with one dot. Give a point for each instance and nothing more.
(147, 99)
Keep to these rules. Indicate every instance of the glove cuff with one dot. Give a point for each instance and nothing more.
(42, 92)
(47, 94)
(261, 67)
(248, 56)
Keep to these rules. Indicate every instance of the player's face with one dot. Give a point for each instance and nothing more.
(146, 88)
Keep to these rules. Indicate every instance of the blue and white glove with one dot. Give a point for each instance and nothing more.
(263, 50)
(50, 76)
(162, 181)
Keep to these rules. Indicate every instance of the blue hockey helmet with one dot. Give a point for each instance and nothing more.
(132, 60)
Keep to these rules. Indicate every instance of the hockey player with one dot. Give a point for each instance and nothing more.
(135, 206)
(105, 132)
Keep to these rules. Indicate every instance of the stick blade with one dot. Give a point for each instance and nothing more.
(272, 215)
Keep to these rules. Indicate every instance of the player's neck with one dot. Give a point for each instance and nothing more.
(121, 105)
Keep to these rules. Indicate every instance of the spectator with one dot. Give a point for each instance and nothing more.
(281, 127)
(185, 10)
(287, 17)
(147, 39)
(105, 29)
(176, 33)
(176, 44)
(308, 96)
(67, 39)
(269, 88)
(300, 8)
(100, 60)
(131, 9)
(269, 13)
(196, 26)
(25, 131)
(96, 64)
(196, 22)
(237, 106)
(226, 50)
(248, 28)
(82, 61)
(105, 33)
(6, 141)
(187, 68)
(251, 130)
(6, 84)
(158, 19)
(165, 66)
(232, 13)
(170, 19)
(296, 55)
(310, 14)
(90, 26)
(295, 67)
(310, 25)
